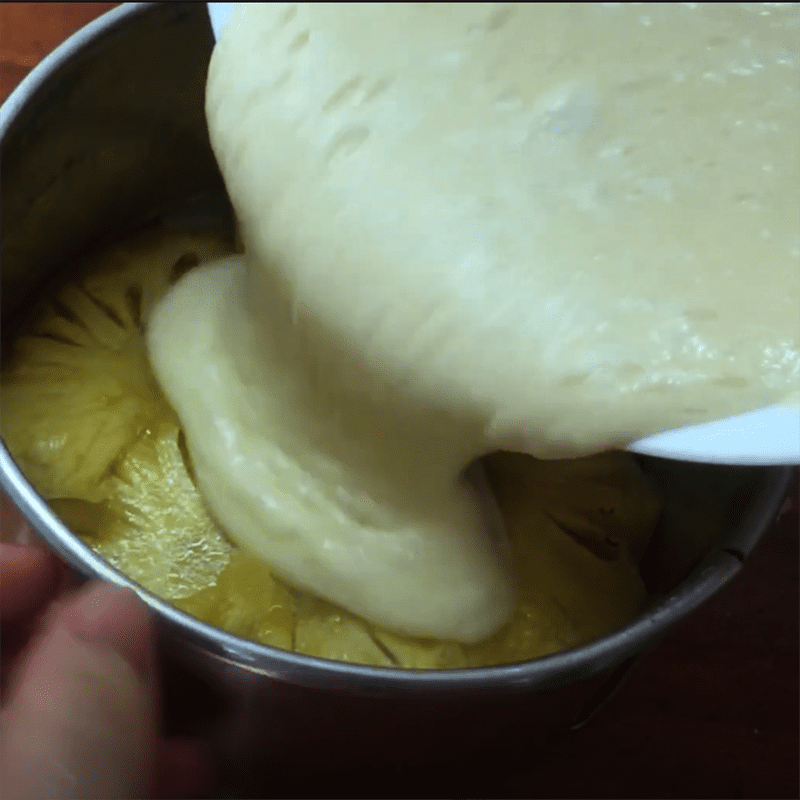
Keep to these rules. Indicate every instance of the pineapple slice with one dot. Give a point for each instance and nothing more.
(603, 502)
(577, 529)
(568, 595)
(77, 387)
(68, 410)
(248, 601)
(152, 525)
(162, 536)
(340, 637)
(423, 653)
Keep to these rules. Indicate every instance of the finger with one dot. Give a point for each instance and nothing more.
(13, 526)
(29, 578)
(82, 716)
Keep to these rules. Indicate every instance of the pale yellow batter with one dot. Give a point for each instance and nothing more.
(540, 227)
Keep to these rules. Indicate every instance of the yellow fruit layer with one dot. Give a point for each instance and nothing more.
(85, 420)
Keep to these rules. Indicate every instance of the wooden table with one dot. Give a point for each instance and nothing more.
(713, 712)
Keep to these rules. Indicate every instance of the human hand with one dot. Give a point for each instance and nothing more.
(80, 694)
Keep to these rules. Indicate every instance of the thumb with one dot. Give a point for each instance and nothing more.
(82, 719)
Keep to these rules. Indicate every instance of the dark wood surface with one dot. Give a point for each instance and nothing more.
(713, 712)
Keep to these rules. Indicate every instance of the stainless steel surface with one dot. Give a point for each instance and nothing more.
(106, 133)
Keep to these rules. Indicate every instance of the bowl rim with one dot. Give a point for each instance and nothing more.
(542, 674)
